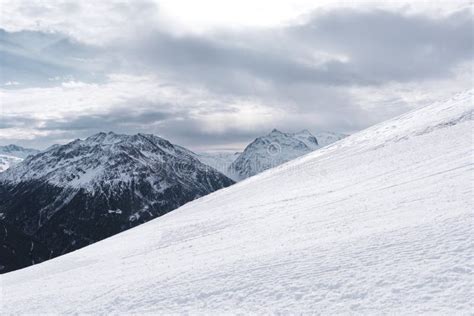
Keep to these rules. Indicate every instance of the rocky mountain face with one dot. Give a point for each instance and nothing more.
(12, 154)
(18, 250)
(276, 148)
(73, 195)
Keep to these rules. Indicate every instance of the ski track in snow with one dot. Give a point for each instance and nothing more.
(378, 223)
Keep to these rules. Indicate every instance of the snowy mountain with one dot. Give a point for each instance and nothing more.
(17, 151)
(326, 138)
(276, 148)
(7, 161)
(378, 223)
(267, 152)
(220, 161)
(12, 154)
(73, 195)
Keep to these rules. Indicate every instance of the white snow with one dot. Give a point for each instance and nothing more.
(377, 223)
(17, 151)
(105, 158)
(326, 138)
(267, 151)
(11, 155)
(117, 211)
(6, 161)
(274, 149)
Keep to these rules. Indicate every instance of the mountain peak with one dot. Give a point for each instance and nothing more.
(17, 151)
(107, 138)
(13, 147)
(276, 131)
(394, 240)
(108, 182)
(11, 155)
(270, 151)
(305, 132)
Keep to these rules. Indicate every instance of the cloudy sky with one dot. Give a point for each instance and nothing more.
(213, 75)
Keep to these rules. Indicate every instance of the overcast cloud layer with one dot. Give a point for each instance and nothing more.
(69, 70)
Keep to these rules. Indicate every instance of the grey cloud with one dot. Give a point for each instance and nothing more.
(306, 70)
(380, 46)
(10, 121)
(115, 119)
(178, 128)
(121, 120)
(232, 68)
(35, 58)
(118, 118)
(391, 46)
(283, 67)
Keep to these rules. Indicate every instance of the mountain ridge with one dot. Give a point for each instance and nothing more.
(74, 194)
(275, 148)
(13, 154)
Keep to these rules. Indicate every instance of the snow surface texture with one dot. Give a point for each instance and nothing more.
(380, 222)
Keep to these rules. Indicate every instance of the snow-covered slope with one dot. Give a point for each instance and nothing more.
(271, 150)
(72, 195)
(378, 223)
(11, 155)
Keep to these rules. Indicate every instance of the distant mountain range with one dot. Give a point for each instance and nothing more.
(12, 154)
(219, 160)
(387, 229)
(69, 196)
(276, 148)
